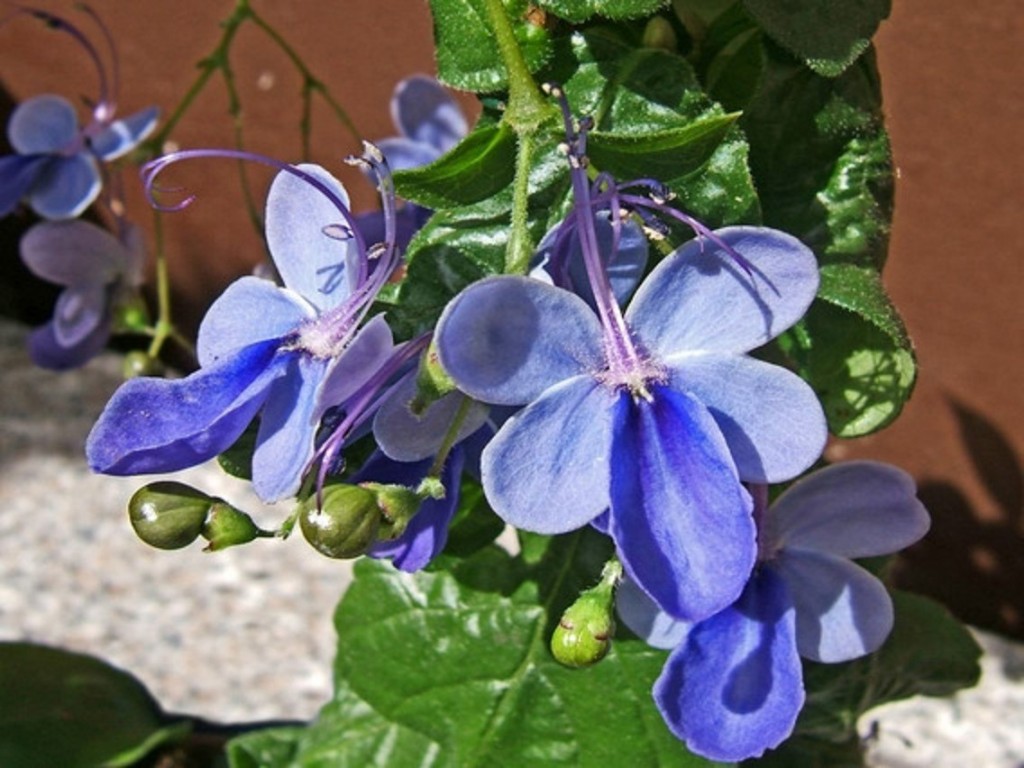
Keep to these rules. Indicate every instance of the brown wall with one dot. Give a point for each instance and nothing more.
(953, 78)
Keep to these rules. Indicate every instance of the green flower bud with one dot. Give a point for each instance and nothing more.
(168, 515)
(138, 363)
(131, 316)
(584, 633)
(397, 505)
(659, 34)
(432, 382)
(346, 525)
(226, 526)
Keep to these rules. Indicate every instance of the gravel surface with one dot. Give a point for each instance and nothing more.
(246, 634)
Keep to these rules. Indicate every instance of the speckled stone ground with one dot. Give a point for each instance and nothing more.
(246, 634)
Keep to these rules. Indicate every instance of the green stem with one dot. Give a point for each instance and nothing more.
(526, 107)
(520, 245)
(450, 437)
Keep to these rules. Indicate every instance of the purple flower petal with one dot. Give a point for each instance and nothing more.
(73, 253)
(699, 298)
(427, 532)
(122, 136)
(679, 515)
(65, 187)
(77, 313)
(17, 175)
(547, 468)
(409, 219)
(403, 436)
(43, 125)
(163, 425)
(284, 442)
(646, 620)
(505, 340)
(403, 154)
(842, 611)
(47, 352)
(311, 262)
(853, 509)
(424, 111)
(770, 417)
(250, 310)
(735, 687)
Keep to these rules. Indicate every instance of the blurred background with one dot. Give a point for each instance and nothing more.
(953, 80)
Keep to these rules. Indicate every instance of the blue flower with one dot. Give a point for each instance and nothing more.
(429, 123)
(263, 350)
(98, 272)
(56, 165)
(732, 687)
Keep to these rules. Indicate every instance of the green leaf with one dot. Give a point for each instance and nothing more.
(467, 52)
(475, 524)
(862, 375)
(929, 653)
(827, 36)
(75, 711)
(480, 166)
(269, 748)
(580, 10)
(437, 669)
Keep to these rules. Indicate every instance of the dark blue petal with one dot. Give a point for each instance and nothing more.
(424, 111)
(78, 312)
(122, 136)
(47, 352)
(735, 688)
(427, 533)
(163, 425)
(284, 443)
(679, 515)
(17, 175)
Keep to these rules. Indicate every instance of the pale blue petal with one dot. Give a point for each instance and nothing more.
(853, 509)
(679, 516)
(73, 253)
(403, 154)
(43, 124)
(770, 417)
(17, 175)
(427, 532)
(424, 111)
(251, 309)
(842, 611)
(314, 264)
(122, 136)
(47, 352)
(735, 687)
(404, 436)
(284, 442)
(66, 186)
(700, 298)
(646, 620)
(361, 360)
(77, 313)
(504, 340)
(163, 425)
(547, 469)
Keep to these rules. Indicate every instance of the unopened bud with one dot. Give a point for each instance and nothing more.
(584, 633)
(138, 363)
(345, 525)
(432, 382)
(225, 526)
(168, 515)
(659, 34)
(131, 316)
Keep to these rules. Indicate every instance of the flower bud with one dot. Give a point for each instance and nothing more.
(168, 515)
(432, 382)
(397, 505)
(659, 34)
(583, 635)
(226, 526)
(138, 363)
(131, 316)
(347, 523)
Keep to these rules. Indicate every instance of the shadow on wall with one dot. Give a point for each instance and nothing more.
(974, 566)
